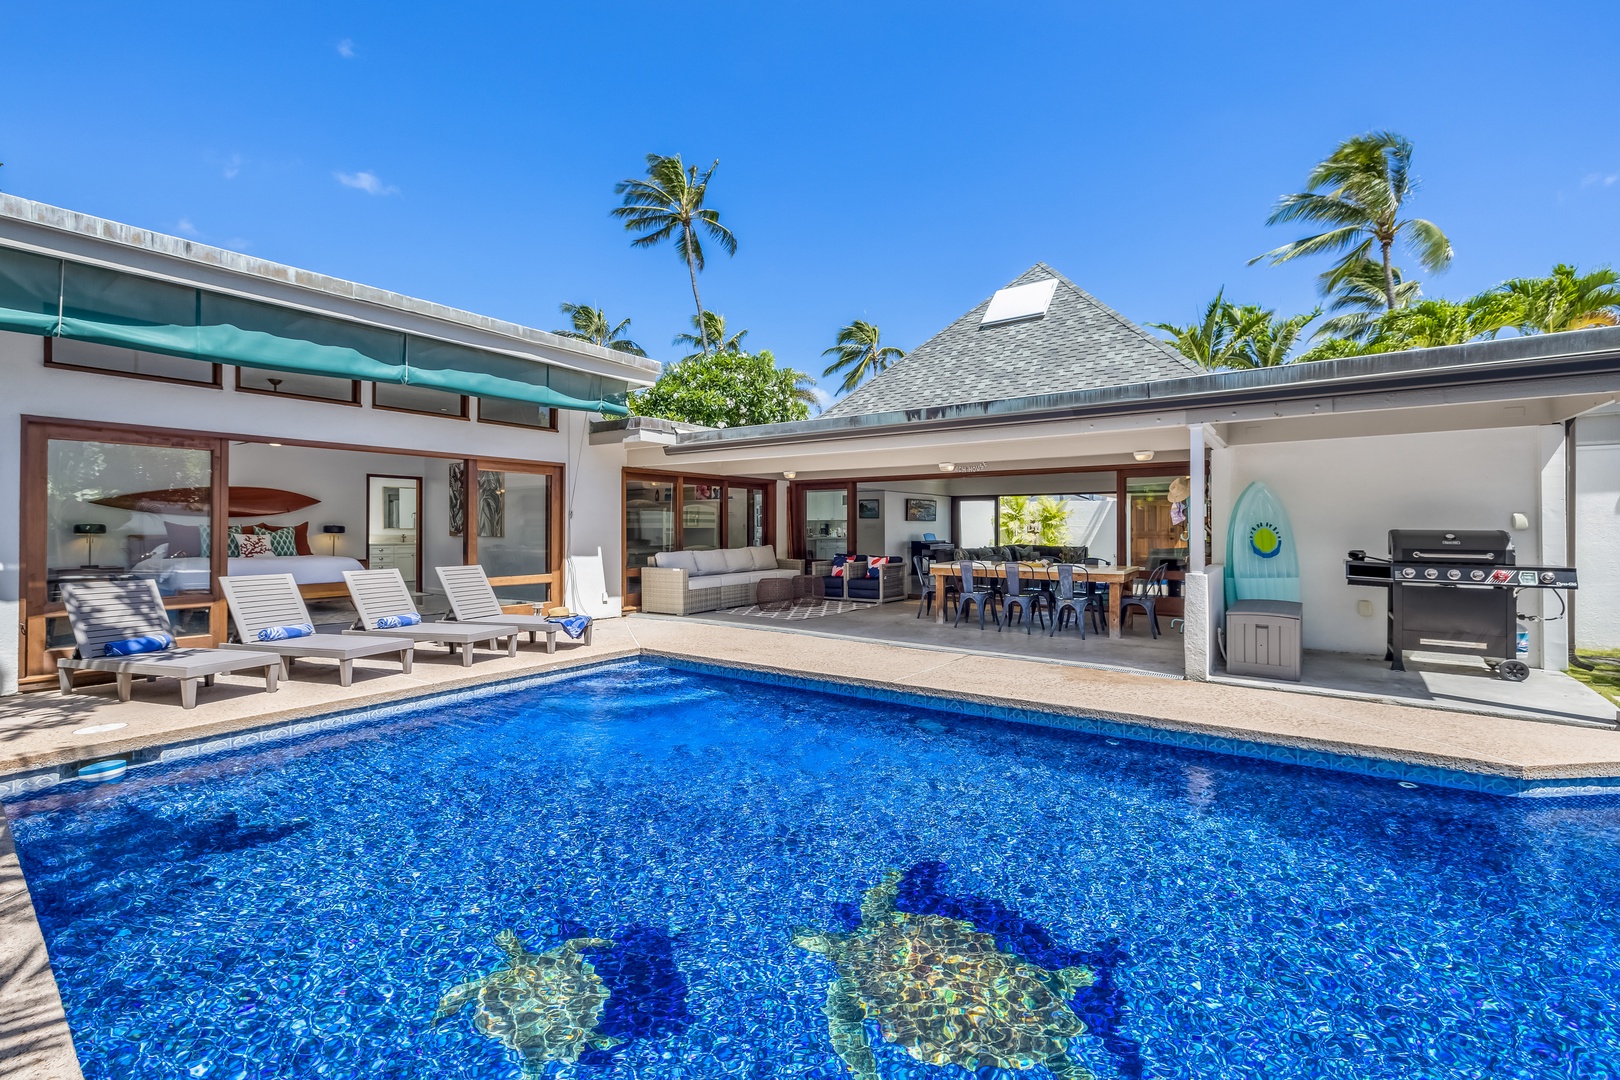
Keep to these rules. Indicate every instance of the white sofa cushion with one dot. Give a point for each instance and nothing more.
(675, 560)
(761, 575)
(721, 581)
(738, 559)
(764, 558)
(710, 562)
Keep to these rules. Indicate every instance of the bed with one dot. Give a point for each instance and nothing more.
(318, 576)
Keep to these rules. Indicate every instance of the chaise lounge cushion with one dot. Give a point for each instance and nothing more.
(710, 562)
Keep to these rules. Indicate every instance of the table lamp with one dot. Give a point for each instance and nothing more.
(334, 531)
(90, 530)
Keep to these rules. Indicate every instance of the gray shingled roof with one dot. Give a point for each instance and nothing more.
(1079, 344)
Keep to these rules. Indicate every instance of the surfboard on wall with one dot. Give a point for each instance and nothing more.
(1262, 561)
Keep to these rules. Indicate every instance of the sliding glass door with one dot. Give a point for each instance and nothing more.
(515, 529)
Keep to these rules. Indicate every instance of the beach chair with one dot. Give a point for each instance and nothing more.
(472, 600)
(110, 616)
(269, 614)
(385, 608)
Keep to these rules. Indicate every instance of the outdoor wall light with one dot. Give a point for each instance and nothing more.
(1143, 455)
(789, 474)
(947, 466)
(1520, 522)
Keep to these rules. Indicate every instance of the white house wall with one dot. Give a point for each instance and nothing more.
(593, 486)
(1597, 531)
(1344, 494)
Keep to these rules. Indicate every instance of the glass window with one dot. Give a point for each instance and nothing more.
(324, 387)
(514, 526)
(1153, 533)
(745, 517)
(420, 399)
(649, 520)
(978, 520)
(826, 522)
(115, 511)
(700, 516)
(519, 413)
(121, 361)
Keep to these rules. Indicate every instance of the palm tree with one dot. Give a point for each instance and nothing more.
(1429, 323)
(860, 353)
(1359, 191)
(1016, 514)
(1566, 300)
(1217, 340)
(1051, 521)
(712, 328)
(592, 325)
(1269, 344)
(669, 203)
(1358, 294)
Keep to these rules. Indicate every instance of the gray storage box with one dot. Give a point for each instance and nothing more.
(1263, 638)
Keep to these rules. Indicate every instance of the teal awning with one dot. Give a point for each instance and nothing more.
(50, 297)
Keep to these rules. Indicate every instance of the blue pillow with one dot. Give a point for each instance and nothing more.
(282, 633)
(137, 645)
(394, 622)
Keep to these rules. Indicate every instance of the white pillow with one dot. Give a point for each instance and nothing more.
(675, 560)
(710, 562)
(738, 559)
(764, 557)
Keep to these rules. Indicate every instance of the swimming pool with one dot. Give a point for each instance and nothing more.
(305, 909)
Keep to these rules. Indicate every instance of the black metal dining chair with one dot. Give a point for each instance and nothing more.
(1071, 599)
(1145, 598)
(1030, 605)
(929, 587)
(1099, 593)
(972, 594)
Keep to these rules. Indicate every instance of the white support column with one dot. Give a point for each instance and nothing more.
(1195, 597)
(1554, 547)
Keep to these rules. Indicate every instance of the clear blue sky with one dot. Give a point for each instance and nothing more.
(890, 162)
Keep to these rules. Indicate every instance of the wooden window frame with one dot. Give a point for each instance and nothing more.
(797, 518)
(556, 527)
(679, 480)
(465, 407)
(354, 391)
(216, 383)
(507, 423)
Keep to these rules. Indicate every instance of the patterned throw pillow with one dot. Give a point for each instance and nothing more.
(250, 546)
(838, 565)
(282, 633)
(283, 542)
(137, 645)
(394, 622)
(876, 563)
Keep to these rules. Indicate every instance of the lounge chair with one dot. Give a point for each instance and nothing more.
(473, 601)
(385, 608)
(265, 607)
(115, 613)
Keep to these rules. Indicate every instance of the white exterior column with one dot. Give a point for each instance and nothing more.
(1197, 557)
(1198, 624)
(1554, 547)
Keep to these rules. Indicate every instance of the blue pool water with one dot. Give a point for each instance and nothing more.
(299, 911)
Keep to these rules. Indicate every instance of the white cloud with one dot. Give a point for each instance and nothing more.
(1600, 179)
(824, 400)
(233, 165)
(345, 49)
(185, 228)
(368, 182)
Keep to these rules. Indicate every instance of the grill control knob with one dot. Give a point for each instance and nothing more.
(1548, 577)
(1477, 575)
(1454, 574)
(1407, 571)
(1431, 573)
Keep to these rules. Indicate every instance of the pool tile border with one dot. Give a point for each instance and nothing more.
(1141, 731)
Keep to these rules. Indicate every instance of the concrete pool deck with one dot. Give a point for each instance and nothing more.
(46, 731)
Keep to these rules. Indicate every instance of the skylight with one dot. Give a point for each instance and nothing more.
(1020, 302)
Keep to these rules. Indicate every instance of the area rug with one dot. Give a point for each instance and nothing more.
(798, 611)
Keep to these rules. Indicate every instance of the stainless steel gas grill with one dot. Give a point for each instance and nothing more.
(1454, 592)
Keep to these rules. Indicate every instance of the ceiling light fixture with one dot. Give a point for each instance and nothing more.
(1143, 455)
(789, 474)
(946, 466)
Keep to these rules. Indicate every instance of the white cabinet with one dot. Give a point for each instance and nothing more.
(401, 557)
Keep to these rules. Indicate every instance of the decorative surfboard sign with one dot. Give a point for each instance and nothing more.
(1262, 558)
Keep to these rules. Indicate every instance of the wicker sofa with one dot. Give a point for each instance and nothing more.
(687, 582)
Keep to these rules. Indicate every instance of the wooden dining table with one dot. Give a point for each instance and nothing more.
(1117, 577)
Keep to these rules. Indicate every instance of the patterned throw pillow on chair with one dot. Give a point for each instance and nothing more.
(251, 546)
(838, 565)
(876, 563)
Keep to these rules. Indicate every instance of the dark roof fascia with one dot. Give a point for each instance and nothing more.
(1509, 360)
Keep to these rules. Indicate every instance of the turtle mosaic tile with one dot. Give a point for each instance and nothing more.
(305, 906)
